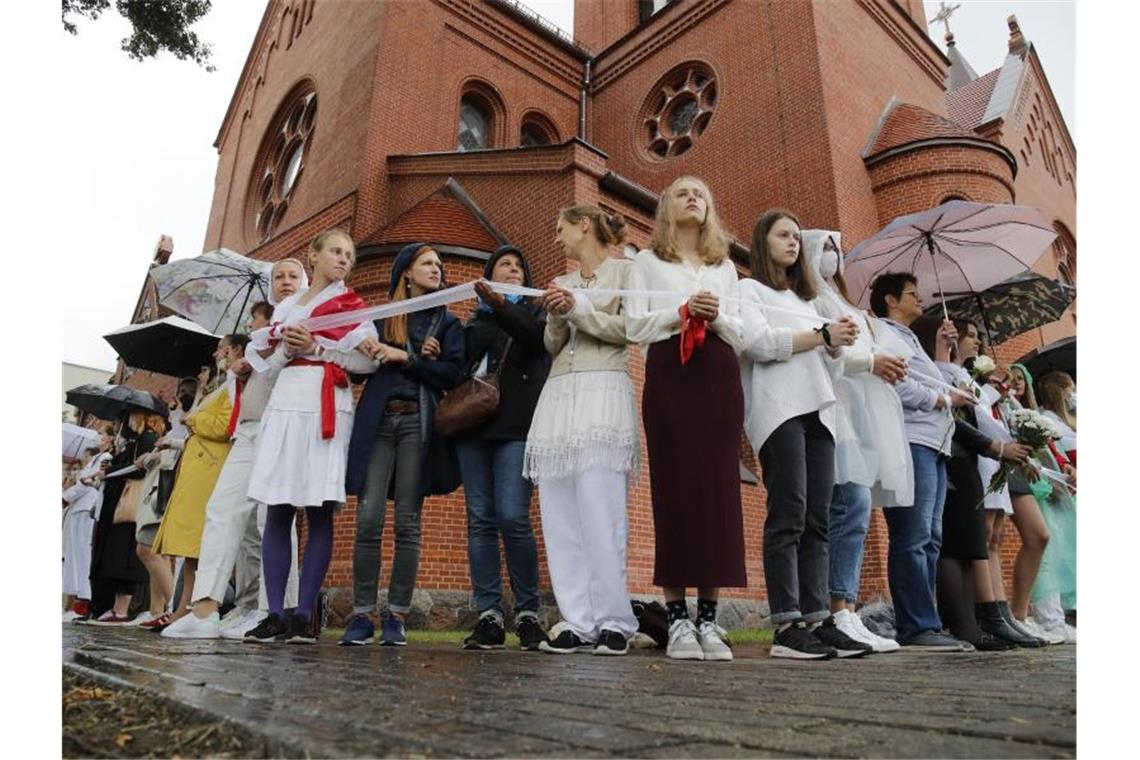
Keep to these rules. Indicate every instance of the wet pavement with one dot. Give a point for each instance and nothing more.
(437, 700)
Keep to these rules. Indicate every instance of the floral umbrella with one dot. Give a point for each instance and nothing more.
(215, 289)
(1021, 303)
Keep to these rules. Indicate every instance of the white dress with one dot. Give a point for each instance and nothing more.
(987, 467)
(293, 463)
(83, 503)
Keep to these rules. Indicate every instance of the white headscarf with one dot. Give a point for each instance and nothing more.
(304, 278)
(831, 302)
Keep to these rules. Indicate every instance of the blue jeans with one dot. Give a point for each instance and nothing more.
(915, 539)
(848, 519)
(498, 501)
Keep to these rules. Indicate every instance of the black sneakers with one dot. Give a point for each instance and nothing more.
(530, 633)
(298, 631)
(488, 634)
(565, 642)
(611, 643)
(796, 642)
(268, 630)
(845, 646)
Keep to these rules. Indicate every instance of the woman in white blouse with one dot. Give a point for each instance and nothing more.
(790, 418)
(692, 408)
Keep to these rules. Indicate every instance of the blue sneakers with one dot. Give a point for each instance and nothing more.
(393, 633)
(358, 631)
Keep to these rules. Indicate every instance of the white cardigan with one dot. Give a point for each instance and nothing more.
(780, 385)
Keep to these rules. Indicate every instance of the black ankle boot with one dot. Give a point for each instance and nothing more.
(987, 642)
(992, 622)
(1007, 615)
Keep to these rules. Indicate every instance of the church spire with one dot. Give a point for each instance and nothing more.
(960, 71)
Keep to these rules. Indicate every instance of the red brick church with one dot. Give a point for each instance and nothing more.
(468, 123)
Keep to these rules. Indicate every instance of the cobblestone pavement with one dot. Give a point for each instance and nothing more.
(433, 700)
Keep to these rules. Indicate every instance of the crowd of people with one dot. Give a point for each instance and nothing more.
(844, 409)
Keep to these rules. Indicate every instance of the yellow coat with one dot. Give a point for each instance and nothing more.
(180, 532)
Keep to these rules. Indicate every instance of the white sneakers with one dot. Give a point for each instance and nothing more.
(1064, 631)
(683, 642)
(1050, 635)
(688, 642)
(143, 617)
(852, 625)
(235, 628)
(713, 645)
(192, 627)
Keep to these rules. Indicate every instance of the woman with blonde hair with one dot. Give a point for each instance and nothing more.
(305, 428)
(582, 448)
(693, 411)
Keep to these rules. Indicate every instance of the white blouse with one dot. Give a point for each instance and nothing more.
(654, 319)
(779, 384)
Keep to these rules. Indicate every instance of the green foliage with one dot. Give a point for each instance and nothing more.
(158, 25)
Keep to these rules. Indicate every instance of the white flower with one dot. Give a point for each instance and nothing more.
(983, 365)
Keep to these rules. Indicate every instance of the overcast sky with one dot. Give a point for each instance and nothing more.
(142, 162)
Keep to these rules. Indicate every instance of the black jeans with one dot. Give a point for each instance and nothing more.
(798, 460)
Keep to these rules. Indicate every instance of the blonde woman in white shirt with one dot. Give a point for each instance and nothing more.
(790, 417)
(693, 411)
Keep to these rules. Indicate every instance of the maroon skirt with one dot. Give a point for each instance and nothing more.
(694, 418)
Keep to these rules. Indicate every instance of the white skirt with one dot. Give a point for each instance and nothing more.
(583, 421)
(293, 464)
(78, 528)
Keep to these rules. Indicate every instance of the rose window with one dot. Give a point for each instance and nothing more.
(679, 109)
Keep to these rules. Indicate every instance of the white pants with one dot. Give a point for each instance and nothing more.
(232, 532)
(77, 532)
(585, 530)
(1048, 611)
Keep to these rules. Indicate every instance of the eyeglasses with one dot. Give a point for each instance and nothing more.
(909, 293)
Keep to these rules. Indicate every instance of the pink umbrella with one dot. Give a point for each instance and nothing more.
(957, 247)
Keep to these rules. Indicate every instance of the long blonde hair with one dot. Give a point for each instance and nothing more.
(396, 328)
(712, 245)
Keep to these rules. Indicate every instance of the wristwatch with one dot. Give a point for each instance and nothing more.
(822, 330)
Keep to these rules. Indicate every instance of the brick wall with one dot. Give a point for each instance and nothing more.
(800, 89)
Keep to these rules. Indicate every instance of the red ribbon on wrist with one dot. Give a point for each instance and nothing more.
(693, 332)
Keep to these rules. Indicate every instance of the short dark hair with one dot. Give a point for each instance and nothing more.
(262, 307)
(889, 284)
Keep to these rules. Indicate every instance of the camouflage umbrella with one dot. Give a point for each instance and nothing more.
(1021, 303)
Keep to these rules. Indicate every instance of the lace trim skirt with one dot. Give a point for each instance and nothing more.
(583, 421)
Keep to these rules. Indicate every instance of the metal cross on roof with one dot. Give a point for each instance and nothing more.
(944, 13)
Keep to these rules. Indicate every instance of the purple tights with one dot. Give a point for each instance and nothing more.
(276, 551)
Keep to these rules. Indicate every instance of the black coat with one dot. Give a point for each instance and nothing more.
(524, 371)
(433, 376)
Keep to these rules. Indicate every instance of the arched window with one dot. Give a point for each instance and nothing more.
(476, 121)
(678, 109)
(537, 130)
(281, 161)
(952, 197)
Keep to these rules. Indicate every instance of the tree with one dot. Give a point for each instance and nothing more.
(157, 25)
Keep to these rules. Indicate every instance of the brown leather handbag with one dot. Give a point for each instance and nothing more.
(128, 507)
(470, 403)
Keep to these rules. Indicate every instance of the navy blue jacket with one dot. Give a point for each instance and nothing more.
(434, 376)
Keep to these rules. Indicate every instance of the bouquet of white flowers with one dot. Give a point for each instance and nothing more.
(1029, 428)
(982, 367)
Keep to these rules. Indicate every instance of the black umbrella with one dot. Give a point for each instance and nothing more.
(1023, 302)
(1058, 355)
(171, 346)
(109, 402)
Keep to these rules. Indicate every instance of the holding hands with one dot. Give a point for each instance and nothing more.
(704, 305)
(844, 332)
(890, 369)
(298, 341)
(490, 297)
(557, 300)
(386, 354)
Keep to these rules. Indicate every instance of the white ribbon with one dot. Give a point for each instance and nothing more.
(125, 471)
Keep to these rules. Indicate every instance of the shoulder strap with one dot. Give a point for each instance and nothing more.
(503, 356)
